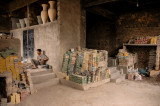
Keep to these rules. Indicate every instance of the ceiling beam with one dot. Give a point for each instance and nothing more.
(3, 5)
(17, 4)
(101, 11)
(98, 2)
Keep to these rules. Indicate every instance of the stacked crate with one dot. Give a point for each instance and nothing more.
(88, 63)
(65, 62)
(72, 62)
(78, 79)
(79, 62)
(12, 68)
(2, 65)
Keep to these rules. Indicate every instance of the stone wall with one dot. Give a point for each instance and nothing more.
(4, 24)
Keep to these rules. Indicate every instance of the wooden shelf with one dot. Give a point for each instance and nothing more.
(157, 52)
(141, 45)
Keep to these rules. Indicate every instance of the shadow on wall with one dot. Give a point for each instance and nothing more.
(3, 93)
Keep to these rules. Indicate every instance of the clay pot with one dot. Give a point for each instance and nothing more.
(18, 25)
(44, 13)
(22, 23)
(26, 20)
(14, 21)
(52, 11)
(39, 19)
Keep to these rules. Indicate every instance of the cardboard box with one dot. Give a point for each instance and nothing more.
(154, 73)
(131, 76)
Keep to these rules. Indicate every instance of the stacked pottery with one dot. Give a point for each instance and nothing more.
(52, 11)
(18, 25)
(26, 20)
(14, 21)
(39, 19)
(44, 13)
(22, 23)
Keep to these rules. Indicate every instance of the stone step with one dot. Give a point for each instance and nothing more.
(115, 74)
(125, 69)
(112, 69)
(119, 78)
(42, 78)
(41, 72)
(48, 83)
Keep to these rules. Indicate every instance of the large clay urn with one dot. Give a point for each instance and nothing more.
(22, 23)
(26, 20)
(52, 11)
(44, 13)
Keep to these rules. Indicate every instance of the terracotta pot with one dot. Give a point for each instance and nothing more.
(39, 19)
(26, 20)
(44, 13)
(14, 21)
(22, 23)
(18, 25)
(52, 11)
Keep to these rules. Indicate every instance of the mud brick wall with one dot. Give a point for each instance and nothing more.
(100, 34)
(143, 54)
(4, 24)
(141, 23)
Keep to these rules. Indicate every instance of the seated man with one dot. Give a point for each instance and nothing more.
(41, 59)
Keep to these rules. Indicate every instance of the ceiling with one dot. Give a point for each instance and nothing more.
(122, 6)
(114, 6)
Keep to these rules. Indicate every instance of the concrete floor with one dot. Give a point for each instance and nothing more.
(128, 93)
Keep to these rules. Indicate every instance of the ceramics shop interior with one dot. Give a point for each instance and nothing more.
(69, 52)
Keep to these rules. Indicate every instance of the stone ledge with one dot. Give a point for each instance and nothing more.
(83, 87)
(36, 26)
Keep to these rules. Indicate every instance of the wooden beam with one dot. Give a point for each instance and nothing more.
(98, 2)
(17, 4)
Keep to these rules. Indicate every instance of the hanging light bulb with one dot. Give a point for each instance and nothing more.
(137, 4)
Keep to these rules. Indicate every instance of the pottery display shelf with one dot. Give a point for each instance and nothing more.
(38, 25)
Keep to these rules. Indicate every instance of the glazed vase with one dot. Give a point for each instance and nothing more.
(39, 19)
(52, 11)
(26, 20)
(44, 13)
(21, 21)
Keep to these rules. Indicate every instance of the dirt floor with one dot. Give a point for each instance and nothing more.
(127, 93)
